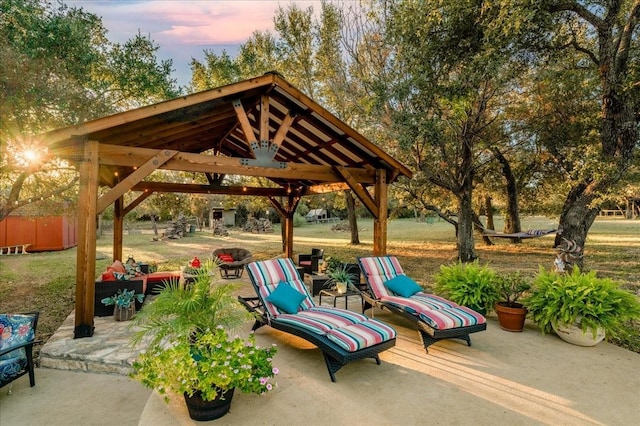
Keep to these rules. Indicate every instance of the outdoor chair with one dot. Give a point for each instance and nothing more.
(434, 317)
(310, 261)
(284, 303)
(232, 261)
(17, 337)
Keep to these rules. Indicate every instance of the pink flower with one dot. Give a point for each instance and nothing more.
(275, 370)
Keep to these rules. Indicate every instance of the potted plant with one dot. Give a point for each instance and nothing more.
(340, 278)
(190, 351)
(580, 307)
(124, 303)
(511, 313)
(468, 284)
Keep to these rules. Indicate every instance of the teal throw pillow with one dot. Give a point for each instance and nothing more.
(403, 286)
(286, 298)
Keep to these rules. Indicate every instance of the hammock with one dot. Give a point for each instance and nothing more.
(531, 233)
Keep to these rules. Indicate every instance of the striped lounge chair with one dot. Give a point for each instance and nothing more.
(284, 303)
(435, 318)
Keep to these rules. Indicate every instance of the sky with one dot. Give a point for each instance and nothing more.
(184, 29)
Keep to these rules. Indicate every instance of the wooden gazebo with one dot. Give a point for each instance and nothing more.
(259, 127)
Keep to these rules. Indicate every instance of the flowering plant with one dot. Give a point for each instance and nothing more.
(189, 348)
(211, 364)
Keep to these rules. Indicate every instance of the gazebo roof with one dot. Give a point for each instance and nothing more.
(228, 124)
(261, 127)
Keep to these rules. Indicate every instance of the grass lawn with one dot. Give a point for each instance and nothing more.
(46, 281)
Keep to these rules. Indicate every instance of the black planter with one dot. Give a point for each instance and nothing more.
(202, 411)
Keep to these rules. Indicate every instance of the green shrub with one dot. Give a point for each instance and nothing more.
(468, 284)
(298, 220)
(580, 298)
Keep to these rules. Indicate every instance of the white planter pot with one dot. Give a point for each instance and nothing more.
(573, 334)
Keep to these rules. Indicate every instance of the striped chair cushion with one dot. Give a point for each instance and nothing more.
(268, 274)
(433, 301)
(273, 271)
(379, 270)
(320, 320)
(443, 318)
(361, 335)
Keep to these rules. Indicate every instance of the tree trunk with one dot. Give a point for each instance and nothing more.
(351, 214)
(466, 246)
(512, 223)
(477, 225)
(576, 218)
(154, 226)
(489, 212)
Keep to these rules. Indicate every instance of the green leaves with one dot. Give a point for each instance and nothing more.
(468, 284)
(580, 298)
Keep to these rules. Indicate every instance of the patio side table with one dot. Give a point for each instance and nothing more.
(335, 294)
(318, 282)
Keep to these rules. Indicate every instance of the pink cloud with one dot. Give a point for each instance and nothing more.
(190, 22)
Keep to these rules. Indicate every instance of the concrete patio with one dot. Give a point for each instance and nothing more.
(517, 378)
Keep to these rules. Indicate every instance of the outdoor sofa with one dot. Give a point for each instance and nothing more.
(120, 276)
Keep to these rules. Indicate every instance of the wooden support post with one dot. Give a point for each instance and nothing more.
(380, 223)
(288, 235)
(287, 225)
(86, 251)
(118, 228)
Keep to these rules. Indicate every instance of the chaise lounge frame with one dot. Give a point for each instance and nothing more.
(428, 334)
(335, 357)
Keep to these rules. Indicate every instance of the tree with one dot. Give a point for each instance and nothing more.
(57, 68)
(605, 34)
(454, 72)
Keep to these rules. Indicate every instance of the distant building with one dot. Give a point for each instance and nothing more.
(40, 233)
(228, 216)
(317, 215)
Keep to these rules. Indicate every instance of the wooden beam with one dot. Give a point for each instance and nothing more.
(115, 155)
(86, 249)
(278, 206)
(118, 228)
(362, 194)
(327, 188)
(186, 188)
(135, 203)
(283, 129)
(243, 119)
(142, 172)
(264, 118)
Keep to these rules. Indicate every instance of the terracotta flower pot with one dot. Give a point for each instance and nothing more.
(511, 318)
